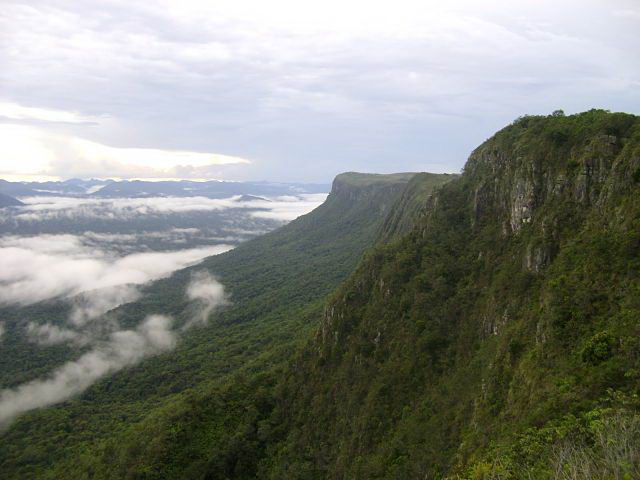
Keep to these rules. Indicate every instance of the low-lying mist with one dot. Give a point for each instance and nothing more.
(42, 208)
(121, 348)
(47, 266)
(94, 255)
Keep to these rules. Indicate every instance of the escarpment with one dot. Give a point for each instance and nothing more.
(469, 329)
(493, 318)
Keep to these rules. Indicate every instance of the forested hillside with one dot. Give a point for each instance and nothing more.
(497, 339)
(500, 338)
(493, 332)
(276, 285)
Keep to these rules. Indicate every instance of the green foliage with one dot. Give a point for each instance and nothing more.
(495, 335)
(277, 285)
(466, 332)
(598, 348)
(603, 443)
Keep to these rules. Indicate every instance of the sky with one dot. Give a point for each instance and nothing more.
(291, 90)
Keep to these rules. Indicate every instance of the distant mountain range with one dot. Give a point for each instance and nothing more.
(138, 188)
(8, 201)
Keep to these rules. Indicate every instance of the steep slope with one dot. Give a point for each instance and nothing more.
(502, 325)
(276, 283)
(411, 207)
(513, 304)
(501, 330)
(7, 201)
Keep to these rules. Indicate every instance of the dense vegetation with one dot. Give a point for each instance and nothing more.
(277, 285)
(495, 335)
(513, 304)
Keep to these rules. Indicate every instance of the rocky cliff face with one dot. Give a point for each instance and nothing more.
(413, 204)
(470, 328)
(504, 308)
(377, 190)
(513, 184)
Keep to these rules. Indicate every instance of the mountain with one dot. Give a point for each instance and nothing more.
(73, 186)
(169, 188)
(249, 198)
(277, 284)
(494, 335)
(211, 189)
(7, 201)
(412, 205)
(502, 325)
(15, 189)
(491, 332)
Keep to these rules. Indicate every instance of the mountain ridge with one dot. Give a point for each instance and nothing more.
(453, 339)
(501, 327)
(276, 285)
(492, 325)
(8, 201)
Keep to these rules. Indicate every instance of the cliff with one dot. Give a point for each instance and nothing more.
(492, 332)
(511, 305)
(412, 206)
(276, 284)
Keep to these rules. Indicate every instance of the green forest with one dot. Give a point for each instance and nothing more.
(415, 326)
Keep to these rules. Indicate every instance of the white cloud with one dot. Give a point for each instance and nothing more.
(207, 293)
(41, 267)
(122, 349)
(287, 208)
(33, 152)
(629, 13)
(48, 334)
(306, 90)
(47, 208)
(13, 111)
(90, 305)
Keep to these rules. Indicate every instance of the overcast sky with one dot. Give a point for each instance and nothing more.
(294, 90)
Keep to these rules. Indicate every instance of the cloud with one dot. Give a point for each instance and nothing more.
(629, 13)
(207, 293)
(48, 208)
(128, 242)
(90, 305)
(28, 151)
(48, 334)
(287, 208)
(309, 90)
(122, 349)
(12, 112)
(46, 266)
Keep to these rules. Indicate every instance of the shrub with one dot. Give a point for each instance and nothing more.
(598, 348)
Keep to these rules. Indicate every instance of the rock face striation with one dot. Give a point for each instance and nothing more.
(379, 191)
